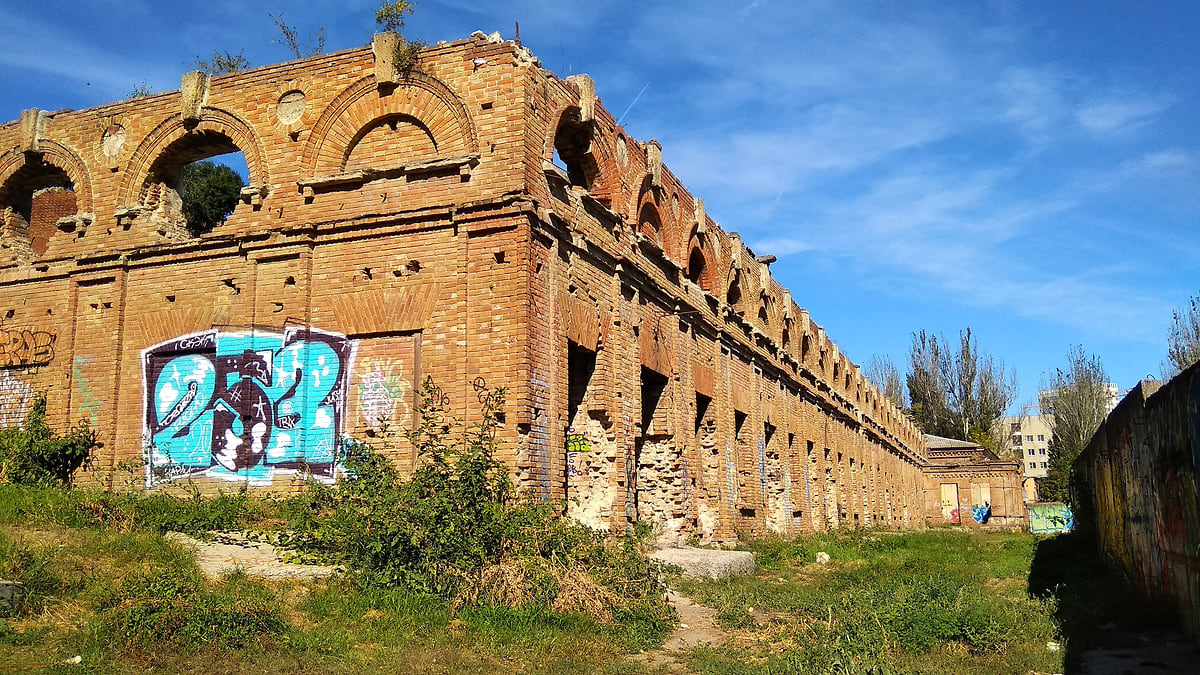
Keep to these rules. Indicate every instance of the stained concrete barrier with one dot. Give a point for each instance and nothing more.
(703, 563)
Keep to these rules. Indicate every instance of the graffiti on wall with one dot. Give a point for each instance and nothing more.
(981, 513)
(245, 405)
(15, 396)
(380, 390)
(89, 403)
(1050, 518)
(21, 347)
(950, 503)
(577, 445)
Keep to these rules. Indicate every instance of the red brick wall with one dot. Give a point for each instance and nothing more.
(454, 255)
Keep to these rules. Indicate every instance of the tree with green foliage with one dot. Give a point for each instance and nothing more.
(959, 392)
(210, 192)
(1183, 338)
(222, 63)
(1076, 400)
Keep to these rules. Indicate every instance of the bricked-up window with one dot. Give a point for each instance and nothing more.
(38, 194)
(653, 386)
(183, 187)
(572, 145)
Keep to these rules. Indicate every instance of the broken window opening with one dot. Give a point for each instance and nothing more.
(197, 181)
(573, 151)
(697, 270)
(39, 193)
(702, 403)
(734, 296)
(653, 386)
(581, 365)
(649, 222)
(739, 420)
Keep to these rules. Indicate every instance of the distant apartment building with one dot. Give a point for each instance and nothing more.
(1031, 446)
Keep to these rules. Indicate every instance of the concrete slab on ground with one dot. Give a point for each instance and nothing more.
(703, 563)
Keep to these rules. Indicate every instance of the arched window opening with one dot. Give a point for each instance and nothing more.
(697, 270)
(36, 196)
(649, 222)
(572, 151)
(734, 296)
(786, 338)
(762, 315)
(197, 182)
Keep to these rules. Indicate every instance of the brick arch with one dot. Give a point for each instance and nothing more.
(360, 106)
(172, 129)
(649, 217)
(604, 183)
(701, 263)
(60, 156)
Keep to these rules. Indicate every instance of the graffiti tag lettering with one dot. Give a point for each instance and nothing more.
(89, 403)
(245, 405)
(21, 347)
(15, 396)
(1050, 518)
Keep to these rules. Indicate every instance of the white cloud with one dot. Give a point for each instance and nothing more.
(1113, 115)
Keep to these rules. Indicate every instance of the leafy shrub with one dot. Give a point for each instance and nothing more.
(33, 454)
(457, 529)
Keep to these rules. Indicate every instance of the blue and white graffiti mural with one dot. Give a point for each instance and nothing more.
(245, 405)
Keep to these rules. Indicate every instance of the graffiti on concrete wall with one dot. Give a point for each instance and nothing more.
(1050, 518)
(21, 347)
(245, 405)
(15, 396)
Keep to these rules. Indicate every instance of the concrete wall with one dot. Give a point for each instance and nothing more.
(404, 225)
(1136, 485)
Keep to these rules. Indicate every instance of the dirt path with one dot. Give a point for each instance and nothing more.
(227, 551)
(697, 626)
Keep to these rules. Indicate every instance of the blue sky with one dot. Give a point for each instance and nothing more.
(1028, 169)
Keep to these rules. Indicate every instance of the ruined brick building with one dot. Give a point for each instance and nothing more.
(475, 219)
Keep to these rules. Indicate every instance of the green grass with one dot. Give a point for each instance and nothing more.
(935, 601)
(104, 585)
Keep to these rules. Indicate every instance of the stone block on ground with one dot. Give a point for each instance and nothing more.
(703, 563)
(12, 598)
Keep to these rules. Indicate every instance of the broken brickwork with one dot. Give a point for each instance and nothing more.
(475, 219)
